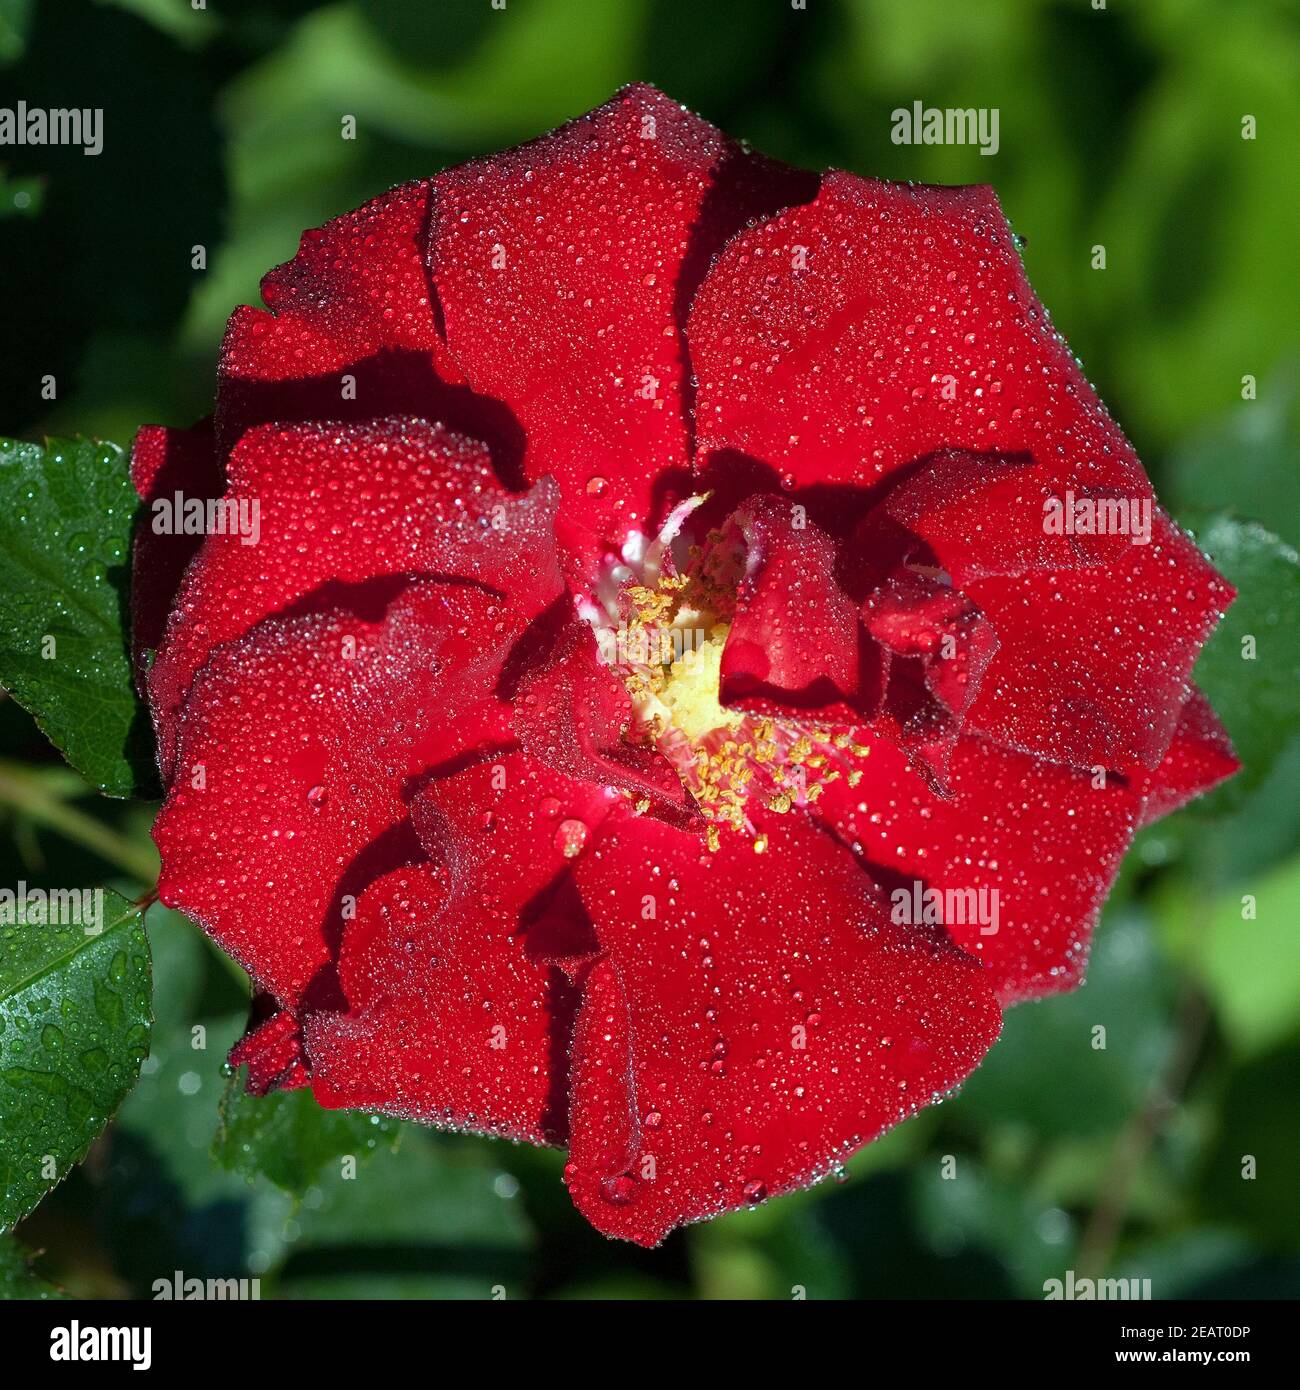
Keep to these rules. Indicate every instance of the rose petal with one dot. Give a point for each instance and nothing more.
(1046, 839)
(449, 1022)
(754, 1022)
(350, 332)
(457, 1007)
(984, 515)
(344, 505)
(1093, 665)
(564, 269)
(880, 323)
(294, 751)
(794, 642)
(1199, 757)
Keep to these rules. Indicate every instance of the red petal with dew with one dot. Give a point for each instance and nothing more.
(295, 756)
(343, 506)
(752, 1023)
(881, 323)
(564, 270)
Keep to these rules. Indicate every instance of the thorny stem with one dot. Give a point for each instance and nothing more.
(46, 803)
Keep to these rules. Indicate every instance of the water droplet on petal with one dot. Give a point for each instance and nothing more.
(571, 838)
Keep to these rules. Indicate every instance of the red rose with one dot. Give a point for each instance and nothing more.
(677, 695)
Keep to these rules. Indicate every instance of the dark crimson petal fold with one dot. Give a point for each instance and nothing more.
(507, 830)
(954, 677)
(458, 1005)
(883, 322)
(912, 612)
(1199, 757)
(295, 749)
(1045, 838)
(344, 505)
(795, 642)
(753, 1022)
(939, 647)
(165, 463)
(354, 302)
(1093, 665)
(271, 1049)
(564, 269)
(572, 712)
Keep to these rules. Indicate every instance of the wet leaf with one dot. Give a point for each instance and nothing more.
(65, 528)
(1250, 668)
(74, 1029)
(287, 1137)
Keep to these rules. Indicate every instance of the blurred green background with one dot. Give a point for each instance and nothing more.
(1120, 127)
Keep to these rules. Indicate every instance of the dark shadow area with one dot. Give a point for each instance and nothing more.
(393, 381)
(744, 189)
(405, 29)
(481, 1263)
(138, 750)
(108, 243)
(870, 1227)
(151, 1228)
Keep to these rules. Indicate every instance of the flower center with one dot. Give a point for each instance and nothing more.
(689, 696)
(662, 625)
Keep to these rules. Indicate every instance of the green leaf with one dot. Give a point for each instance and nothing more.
(289, 1138)
(17, 1278)
(879, 1250)
(436, 1219)
(1249, 1179)
(1246, 461)
(1250, 966)
(1046, 1071)
(1254, 695)
(973, 1208)
(65, 534)
(74, 1028)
